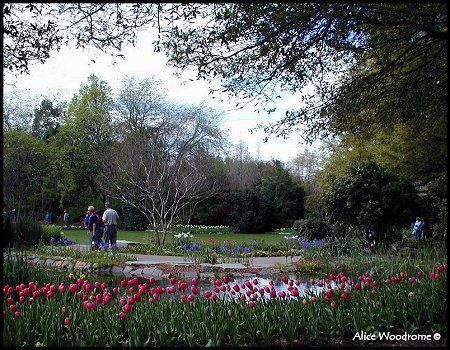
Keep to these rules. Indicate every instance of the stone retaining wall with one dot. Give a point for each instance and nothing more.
(146, 271)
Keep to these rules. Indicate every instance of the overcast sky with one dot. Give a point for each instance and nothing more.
(65, 70)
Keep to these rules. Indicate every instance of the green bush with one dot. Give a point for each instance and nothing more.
(52, 231)
(26, 231)
(312, 228)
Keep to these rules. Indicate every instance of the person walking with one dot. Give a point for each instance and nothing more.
(66, 217)
(110, 218)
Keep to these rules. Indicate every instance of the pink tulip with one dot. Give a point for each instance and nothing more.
(285, 279)
(17, 314)
(67, 321)
(126, 308)
(122, 315)
(191, 297)
(333, 304)
(282, 294)
(251, 303)
(207, 294)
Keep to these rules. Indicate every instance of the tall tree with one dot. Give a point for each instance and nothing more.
(47, 119)
(360, 60)
(28, 183)
(139, 102)
(165, 169)
(82, 139)
(33, 31)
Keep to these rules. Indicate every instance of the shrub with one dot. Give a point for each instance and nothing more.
(312, 228)
(26, 231)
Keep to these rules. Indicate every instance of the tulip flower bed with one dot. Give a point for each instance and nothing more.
(80, 312)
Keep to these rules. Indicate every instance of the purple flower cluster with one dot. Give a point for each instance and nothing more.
(62, 241)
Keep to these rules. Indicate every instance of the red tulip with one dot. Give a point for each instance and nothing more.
(67, 321)
(126, 308)
(441, 268)
(122, 315)
(123, 283)
(282, 294)
(251, 303)
(333, 304)
(345, 296)
(285, 279)
(17, 314)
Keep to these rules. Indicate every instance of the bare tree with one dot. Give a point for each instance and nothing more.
(164, 170)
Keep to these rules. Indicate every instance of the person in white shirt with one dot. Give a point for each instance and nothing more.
(110, 218)
(418, 227)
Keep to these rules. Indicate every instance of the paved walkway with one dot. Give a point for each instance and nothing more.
(259, 262)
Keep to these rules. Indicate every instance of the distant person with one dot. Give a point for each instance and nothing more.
(110, 218)
(66, 217)
(85, 221)
(418, 227)
(94, 239)
(48, 218)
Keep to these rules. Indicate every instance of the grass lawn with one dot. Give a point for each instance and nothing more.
(80, 236)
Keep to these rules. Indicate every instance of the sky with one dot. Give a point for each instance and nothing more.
(62, 74)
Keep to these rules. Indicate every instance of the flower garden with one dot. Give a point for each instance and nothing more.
(408, 296)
